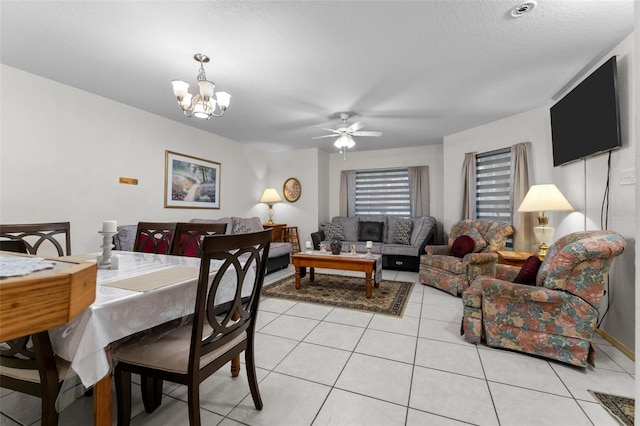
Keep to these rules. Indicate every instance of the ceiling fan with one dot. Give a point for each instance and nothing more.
(345, 133)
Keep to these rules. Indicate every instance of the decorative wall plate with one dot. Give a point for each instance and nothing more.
(292, 189)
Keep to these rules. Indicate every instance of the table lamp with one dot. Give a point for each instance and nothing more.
(270, 197)
(541, 198)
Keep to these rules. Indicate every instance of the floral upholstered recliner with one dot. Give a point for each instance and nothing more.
(556, 317)
(441, 269)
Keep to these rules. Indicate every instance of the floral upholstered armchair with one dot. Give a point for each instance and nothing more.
(556, 316)
(447, 268)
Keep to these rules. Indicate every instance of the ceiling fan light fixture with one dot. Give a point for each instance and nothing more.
(206, 102)
(344, 141)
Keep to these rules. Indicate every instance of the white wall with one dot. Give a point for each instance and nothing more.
(428, 155)
(63, 150)
(303, 165)
(583, 184)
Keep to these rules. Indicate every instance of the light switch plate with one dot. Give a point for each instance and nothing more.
(628, 177)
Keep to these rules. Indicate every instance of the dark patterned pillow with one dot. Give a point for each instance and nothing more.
(239, 227)
(462, 246)
(478, 240)
(370, 231)
(402, 232)
(332, 231)
(528, 271)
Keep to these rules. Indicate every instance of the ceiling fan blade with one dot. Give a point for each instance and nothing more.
(325, 136)
(367, 133)
(355, 127)
(328, 130)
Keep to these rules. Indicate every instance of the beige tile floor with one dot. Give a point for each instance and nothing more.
(320, 365)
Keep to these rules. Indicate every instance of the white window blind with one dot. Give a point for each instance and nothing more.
(493, 173)
(383, 192)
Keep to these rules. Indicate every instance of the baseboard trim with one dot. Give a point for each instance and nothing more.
(617, 344)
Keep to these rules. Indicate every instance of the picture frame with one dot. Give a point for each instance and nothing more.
(292, 189)
(191, 182)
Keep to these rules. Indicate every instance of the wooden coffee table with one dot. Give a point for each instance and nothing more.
(344, 261)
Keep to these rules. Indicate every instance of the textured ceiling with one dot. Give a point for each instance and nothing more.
(414, 70)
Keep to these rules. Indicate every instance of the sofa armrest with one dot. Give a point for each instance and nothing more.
(429, 239)
(439, 249)
(507, 272)
(317, 237)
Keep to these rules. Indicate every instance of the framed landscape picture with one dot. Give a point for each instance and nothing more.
(190, 182)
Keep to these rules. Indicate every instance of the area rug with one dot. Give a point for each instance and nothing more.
(620, 407)
(344, 292)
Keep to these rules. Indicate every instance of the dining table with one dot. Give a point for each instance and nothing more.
(144, 291)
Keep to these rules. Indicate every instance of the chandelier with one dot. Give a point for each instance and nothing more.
(206, 102)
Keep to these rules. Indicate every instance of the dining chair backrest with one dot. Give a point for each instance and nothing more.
(240, 254)
(28, 365)
(189, 235)
(38, 236)
(154, 237)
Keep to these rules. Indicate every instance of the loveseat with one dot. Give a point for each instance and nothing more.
(399, 240)
(279, 252)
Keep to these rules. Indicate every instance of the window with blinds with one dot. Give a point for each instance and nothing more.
(383, 192)
(493, 172)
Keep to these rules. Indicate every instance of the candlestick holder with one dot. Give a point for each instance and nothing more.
(104, 261)
(369, 252)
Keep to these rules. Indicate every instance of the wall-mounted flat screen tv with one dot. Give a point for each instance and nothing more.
(586, 121)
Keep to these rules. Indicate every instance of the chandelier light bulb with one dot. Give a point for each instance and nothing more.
(223, 99)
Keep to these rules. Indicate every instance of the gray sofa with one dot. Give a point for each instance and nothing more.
(399, 242)
(279, 253)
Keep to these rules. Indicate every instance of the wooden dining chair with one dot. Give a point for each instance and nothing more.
(34, 235)
(189, 235)
(28, 365)
(154, 237)
(192, 352)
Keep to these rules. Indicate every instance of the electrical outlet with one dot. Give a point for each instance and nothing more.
(628, 177)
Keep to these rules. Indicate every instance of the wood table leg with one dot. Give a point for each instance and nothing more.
(312, 274)
(369, 289)
(297, 278)
(102, 401)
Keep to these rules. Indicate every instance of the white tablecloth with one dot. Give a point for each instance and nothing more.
(117, 313)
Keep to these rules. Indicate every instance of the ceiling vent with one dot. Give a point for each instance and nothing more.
(523, 9)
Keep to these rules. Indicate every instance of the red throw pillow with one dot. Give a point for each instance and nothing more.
(528, 272)
(462, 245)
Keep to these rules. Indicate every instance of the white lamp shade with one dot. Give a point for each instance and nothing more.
(202, 108)
(206, 88)
(270, 196)
(344, 141)
(186, 101)
(224, 99)
(350, 142)
(541, 198)
(180, 88)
